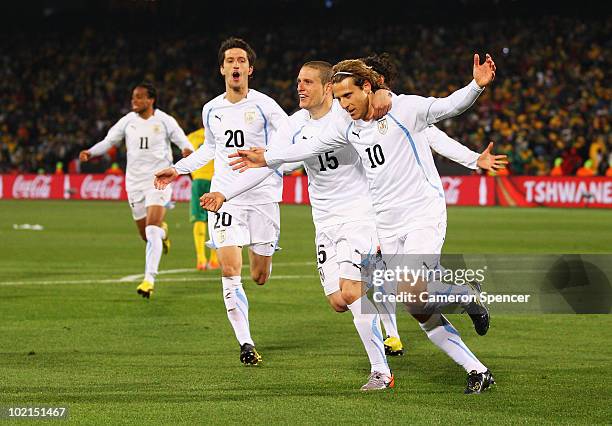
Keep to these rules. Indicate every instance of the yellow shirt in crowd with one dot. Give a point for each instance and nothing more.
(206, 172)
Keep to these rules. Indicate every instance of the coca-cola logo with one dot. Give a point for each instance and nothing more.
(107, 188)
(38, 187)
(181, 190)
(451, 189)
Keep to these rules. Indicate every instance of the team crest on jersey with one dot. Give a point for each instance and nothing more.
(221, 235)
(156, 128)
(383, 126)
(249, 117)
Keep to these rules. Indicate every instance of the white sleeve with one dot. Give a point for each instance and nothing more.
(291, 167)
(114, 136)
(432, 110)
(277, 117)
(249, 179)
(202, 155)
(177, 135)
(450, 148)
(330, 138)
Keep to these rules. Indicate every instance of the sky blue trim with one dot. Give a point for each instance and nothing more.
(347, 131)
(246, 318)
(212, 239)
(466, 350)
(265, 123)
(208, 118)
(297, 133)
(407, 133)
(378, 336)
(242, 296)
(448, 327)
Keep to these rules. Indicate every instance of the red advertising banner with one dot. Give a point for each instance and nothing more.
(569, 191)
(520, 191)
(295, 190)
(469, 190)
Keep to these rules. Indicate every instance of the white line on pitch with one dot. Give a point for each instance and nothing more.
(107, 281)
(138, 277)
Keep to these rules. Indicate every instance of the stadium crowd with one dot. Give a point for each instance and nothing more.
(549, 105)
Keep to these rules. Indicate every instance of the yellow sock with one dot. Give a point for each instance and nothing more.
(199, 238)
(213, 256)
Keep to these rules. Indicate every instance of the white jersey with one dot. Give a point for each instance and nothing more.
(229, 127)
(147, 143)
(337, 184)
(395, 151)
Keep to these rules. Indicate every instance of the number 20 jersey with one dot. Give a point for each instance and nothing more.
(242, 125)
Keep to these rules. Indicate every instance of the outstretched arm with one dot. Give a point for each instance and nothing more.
(453, 150)
(438, 109)
(115, 135)
(330, 138)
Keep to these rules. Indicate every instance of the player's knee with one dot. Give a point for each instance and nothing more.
(260, 277)
(339, 307)
(229, 270)
(337, 302)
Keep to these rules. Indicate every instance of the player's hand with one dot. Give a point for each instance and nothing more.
(164, 177)
(381, 103)
(212, 201)
(489, 161)
(485, 73)
(84, 156)
(248, 159)
(186, 152)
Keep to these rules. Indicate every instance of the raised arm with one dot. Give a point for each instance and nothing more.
(437, 109)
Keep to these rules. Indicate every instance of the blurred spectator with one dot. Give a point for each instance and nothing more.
(557, 170)
(586, 170)
(59, 92)
(571, 161)
(114, 169)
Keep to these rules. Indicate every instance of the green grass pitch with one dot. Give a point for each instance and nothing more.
(72, 334)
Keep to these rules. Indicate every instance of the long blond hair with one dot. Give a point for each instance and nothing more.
(359, 72)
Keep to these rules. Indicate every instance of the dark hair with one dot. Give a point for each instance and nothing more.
(384, 65)
(238, 43)
(151, 90)
(324, 68)
(359, 72)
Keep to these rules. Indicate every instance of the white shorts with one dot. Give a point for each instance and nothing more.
(422, 245)
(339, 252)
(257, 226)
(141, 199)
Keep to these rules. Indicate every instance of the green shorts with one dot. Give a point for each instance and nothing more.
(198, 188)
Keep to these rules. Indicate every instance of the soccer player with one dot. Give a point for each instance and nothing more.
(147, 132)
(200, 184)
(341, 207)
(406, 190)
(238, 118)
(342, 214)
